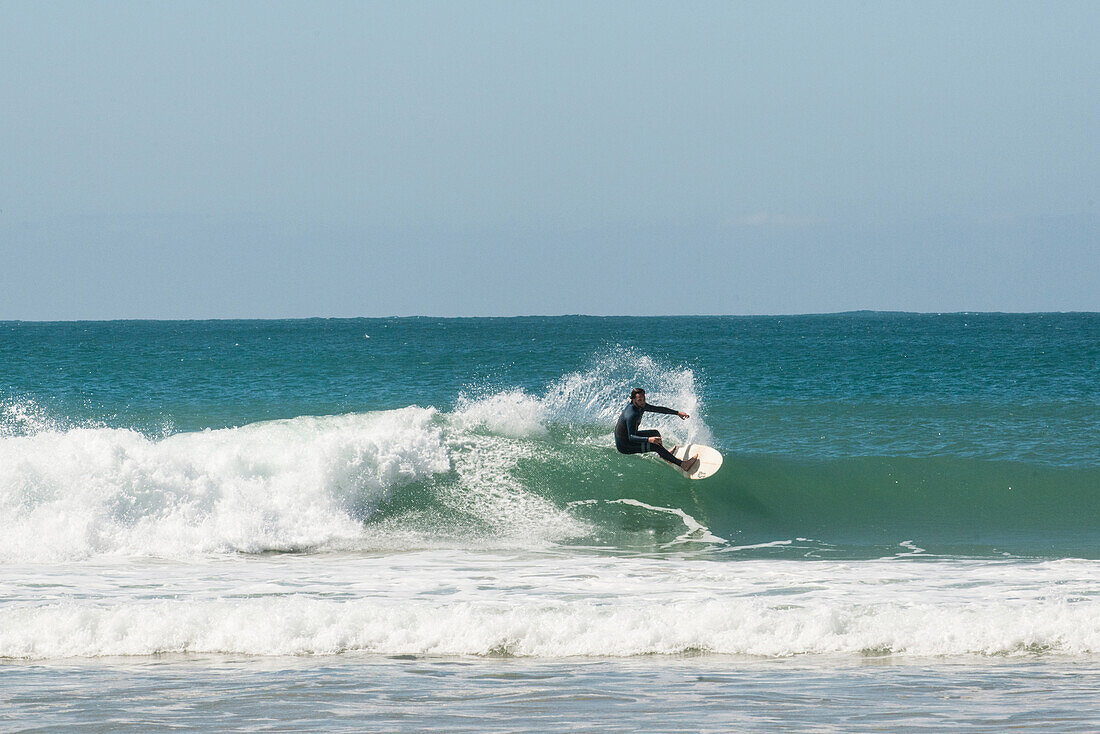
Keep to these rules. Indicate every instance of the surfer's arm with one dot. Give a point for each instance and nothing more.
(667, 411)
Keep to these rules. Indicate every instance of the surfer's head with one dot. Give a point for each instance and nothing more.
(637, 396)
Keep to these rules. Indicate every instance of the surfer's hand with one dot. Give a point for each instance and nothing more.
(655, 439)
(683, 415)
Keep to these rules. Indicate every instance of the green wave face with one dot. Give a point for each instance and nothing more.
(770, 506)
(941, 505)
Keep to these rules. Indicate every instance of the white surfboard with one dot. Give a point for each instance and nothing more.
(710, 461)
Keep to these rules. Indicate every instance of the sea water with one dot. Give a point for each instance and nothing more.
(414, 523)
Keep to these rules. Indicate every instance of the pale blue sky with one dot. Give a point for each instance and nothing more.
(194, 160)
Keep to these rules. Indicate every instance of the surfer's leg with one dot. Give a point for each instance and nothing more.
(665, 454)
(658, 448)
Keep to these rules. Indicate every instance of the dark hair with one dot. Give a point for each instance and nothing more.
(635, 391)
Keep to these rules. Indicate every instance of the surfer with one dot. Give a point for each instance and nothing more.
(630, 440)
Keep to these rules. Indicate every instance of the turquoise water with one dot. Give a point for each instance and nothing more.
(964, 433)
(440, 499)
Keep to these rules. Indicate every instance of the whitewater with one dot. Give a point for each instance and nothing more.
(440, 501)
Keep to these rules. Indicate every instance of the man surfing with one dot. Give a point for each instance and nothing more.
(630, 440)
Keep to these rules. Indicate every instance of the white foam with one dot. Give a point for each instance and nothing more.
(487, 489)
(548, 606)
(755, 546)
(303, 483)
(912, 549)
(510, 413)
(299, 626)
(276, 485)
(696, 532)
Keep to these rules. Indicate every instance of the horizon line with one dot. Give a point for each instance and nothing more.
(856, 312)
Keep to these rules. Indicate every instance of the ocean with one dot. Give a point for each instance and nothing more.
(407, 524)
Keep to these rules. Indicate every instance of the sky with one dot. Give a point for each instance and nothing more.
(284, 159)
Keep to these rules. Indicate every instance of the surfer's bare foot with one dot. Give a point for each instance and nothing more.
(690, 464)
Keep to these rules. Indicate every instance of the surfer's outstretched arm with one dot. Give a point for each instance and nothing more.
(666, 411)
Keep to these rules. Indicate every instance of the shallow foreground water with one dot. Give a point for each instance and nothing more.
(705, 693)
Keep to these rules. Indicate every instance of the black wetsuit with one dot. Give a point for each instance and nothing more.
(630, 440)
